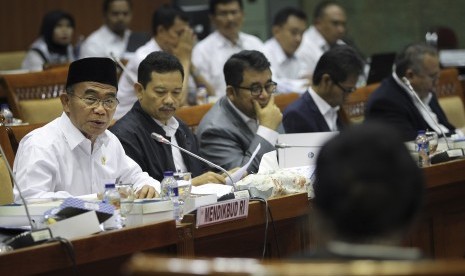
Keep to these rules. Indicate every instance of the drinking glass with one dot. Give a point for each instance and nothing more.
(126, 193)
(184, 189)
(433, 141)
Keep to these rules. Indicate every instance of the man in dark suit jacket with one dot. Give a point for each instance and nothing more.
(395, 104)
(318, 109)
(159, 92)
(246, 116)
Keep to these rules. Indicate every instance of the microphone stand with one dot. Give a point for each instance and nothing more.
(121, 65)
(449, 154)
(159, 138)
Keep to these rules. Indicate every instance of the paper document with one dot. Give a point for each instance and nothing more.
(211, 188)
(237, 175)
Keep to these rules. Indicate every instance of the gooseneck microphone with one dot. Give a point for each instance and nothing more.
(448, 155)
(121, 65)
(159, 138)
(285, 146)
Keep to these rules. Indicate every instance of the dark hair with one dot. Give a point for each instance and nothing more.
(49, 22)
(340, 62)
(411, 57)
(213, 3)
(367, 183)
(165, 16)
(320, 8)
(107, 3)
(281, 17)
(246, 59)
(160, 62)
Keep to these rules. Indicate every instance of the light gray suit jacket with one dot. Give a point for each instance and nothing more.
(226, 140)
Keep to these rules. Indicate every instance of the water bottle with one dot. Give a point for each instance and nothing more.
(169, 186)
(7, 114)
(167, 181)
(112, 196)
(422, 147)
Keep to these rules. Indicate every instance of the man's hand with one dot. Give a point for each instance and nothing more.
(183, 50)
(147, 192)
(208, 177)
(269, 116)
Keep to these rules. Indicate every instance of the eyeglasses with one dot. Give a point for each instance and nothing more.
(256, 89)
(345, 89)
(93, 102)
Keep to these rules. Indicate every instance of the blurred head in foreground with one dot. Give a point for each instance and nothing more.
(368, 188)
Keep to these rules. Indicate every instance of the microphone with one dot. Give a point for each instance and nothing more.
(36, 235)
(285, 146)
(448, 155)
(159, 138)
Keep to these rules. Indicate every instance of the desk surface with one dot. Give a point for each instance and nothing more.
(93, 253)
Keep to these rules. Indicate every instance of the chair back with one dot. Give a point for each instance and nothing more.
(11, 60)
(192, 115)
(451, 97)
(354, 105)
(34, 97)
(283, 100)
(6, 185)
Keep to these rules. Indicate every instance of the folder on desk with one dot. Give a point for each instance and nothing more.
(302, 148)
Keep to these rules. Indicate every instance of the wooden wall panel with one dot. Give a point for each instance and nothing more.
(20, 19)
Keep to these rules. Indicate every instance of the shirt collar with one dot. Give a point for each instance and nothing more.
(126, 35)
(74, 136)
(170, 128)
(322, 105)
(224, 42)
(244, 117)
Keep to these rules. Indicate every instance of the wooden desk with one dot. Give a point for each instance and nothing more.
(245, 237)
(101, 254)
(441, 231)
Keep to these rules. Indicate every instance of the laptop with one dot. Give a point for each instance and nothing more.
(301, 149)
(380, 67)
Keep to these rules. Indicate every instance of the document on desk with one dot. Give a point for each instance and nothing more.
(237, 175)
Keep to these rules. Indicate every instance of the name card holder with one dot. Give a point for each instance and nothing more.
(222, 211)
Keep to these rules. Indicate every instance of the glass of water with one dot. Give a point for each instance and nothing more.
(433, 141)
(126, 193)
(184, 189)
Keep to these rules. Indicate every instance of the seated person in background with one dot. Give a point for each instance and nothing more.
(172, 34)
(54, 46)
(115, 35)
(393, 102)
(288, 27)
(73, 155)
(368, 193)
(318, 110)
(210, 54)
(159, 90)
(231, 130)
(327, 31)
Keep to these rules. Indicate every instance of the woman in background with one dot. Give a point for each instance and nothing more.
(54, 44)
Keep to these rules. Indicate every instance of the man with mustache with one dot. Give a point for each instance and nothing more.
(159, 92)
(210, 54)
(245, 117)
(75, 154)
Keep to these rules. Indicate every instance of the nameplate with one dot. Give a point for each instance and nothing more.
(222, 211)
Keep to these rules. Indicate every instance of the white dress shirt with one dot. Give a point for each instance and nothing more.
(328, 112)
(254, 125)
(210, 55)
(126, 94)
(102, 42)
(170, 130)
(57, 161)
(288, 71)
(313, 46)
